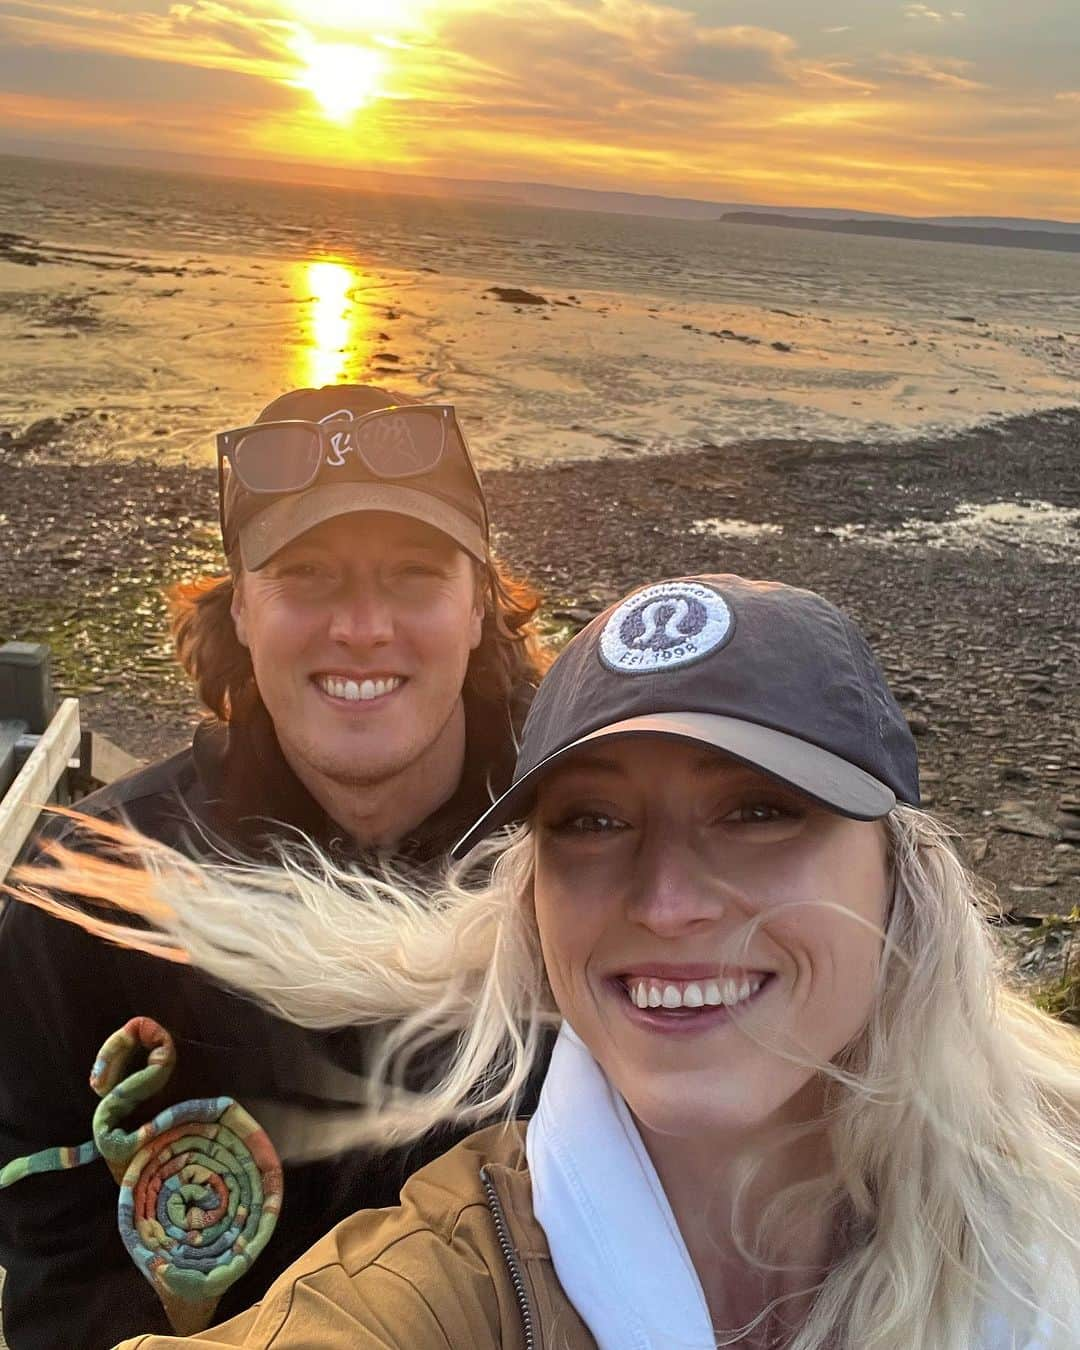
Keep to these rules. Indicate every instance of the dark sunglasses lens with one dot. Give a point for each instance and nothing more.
(277, 459)
(402, 443)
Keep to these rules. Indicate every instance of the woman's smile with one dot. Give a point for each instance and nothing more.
(674, 1006)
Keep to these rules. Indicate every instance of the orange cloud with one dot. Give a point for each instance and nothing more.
(634, 94)
(29, 110)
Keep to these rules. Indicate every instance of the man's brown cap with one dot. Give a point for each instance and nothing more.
(449, 498)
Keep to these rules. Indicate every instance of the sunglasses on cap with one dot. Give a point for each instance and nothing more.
(396, 442)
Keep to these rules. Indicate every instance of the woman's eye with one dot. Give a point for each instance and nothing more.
(758, 813)
(588, 822)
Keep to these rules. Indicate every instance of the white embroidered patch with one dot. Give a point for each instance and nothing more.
(665, 626)
(340, 441)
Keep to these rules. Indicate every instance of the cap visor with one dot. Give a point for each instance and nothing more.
(289, 517)
(817, 773)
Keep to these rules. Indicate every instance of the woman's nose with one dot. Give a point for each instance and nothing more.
(674, 889)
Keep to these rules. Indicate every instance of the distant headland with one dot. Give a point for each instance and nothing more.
(914, 229)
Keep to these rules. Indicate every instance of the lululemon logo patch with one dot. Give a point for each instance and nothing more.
(664, 627)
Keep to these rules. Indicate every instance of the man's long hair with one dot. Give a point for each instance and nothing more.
(508, 656)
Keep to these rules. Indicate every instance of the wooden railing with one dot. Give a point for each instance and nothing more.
(46, 756)
(38, 781)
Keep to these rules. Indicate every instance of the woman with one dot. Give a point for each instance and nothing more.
(791, 1103)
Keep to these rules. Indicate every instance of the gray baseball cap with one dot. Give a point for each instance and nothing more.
(771, 675)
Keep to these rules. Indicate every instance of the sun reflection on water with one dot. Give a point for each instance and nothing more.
(336, 339)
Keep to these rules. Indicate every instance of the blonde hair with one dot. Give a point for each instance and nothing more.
(953, 1117)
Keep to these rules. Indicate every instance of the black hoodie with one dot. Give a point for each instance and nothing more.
(70, 1282)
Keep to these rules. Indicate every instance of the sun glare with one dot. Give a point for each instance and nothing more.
(342, 77)
(337, 340)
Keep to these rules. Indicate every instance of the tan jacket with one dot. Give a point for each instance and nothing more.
(460, 1264)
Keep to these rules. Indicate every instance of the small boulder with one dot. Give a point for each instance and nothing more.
(513, 295)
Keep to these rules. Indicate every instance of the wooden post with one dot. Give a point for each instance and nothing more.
(26, 693)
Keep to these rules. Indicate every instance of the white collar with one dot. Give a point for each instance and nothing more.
(614, 1241)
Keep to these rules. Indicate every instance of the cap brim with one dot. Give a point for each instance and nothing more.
(289, 517)
(817, 773)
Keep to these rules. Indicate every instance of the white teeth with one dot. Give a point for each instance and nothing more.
(353, 692)
(652, 994)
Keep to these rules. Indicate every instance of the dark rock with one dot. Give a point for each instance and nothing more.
(513, 295)
(1020, 818)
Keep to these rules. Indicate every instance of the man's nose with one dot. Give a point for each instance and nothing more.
(675, 890)
(361, 614)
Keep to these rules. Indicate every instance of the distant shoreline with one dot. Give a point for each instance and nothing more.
(504, 192)
(899, 229)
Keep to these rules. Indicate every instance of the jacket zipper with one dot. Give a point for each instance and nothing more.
(513, 1265)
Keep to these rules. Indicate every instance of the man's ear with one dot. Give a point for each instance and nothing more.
(476, 625)
(236, 609)
(480, 593)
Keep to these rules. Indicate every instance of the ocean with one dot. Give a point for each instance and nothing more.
(146, 310)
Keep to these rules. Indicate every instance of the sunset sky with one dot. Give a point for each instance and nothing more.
(872, 104)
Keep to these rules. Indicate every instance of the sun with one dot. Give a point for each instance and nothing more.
(342, 77)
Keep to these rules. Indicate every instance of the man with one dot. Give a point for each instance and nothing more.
(368, 668)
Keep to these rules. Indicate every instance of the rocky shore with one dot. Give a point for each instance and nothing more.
(958, 556)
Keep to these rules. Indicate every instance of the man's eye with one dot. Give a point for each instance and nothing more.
(304, 570)
(588, 822)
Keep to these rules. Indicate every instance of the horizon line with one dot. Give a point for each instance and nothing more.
(78, 154)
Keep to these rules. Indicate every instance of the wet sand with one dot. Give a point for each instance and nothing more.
(182, 344)
(959, 557)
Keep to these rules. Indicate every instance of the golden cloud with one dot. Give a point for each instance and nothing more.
(633, 94)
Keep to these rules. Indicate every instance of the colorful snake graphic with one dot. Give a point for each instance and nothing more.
(200, 1183)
